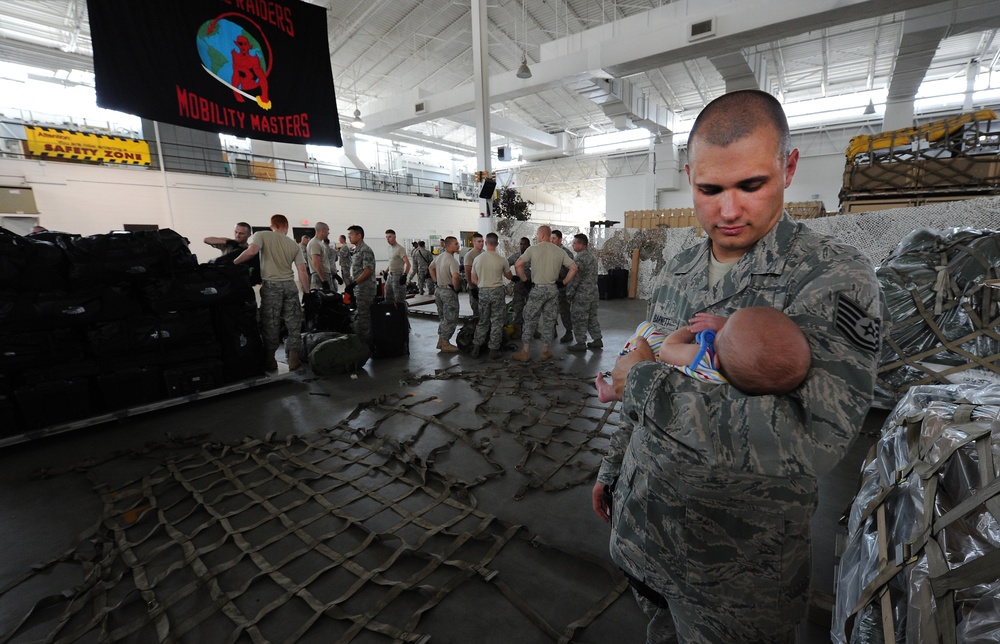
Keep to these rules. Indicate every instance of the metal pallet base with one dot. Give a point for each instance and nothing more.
(128, 412)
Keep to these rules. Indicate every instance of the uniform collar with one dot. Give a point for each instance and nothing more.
(766, 256)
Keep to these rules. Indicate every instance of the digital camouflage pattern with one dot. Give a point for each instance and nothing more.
(564, 309)
(344, 257)
(280, 301)
(473, 299)
(540, 313)
(446, 301)
(584, 297)
(492, 310)
(364, 293)
(520, 291)
(716, 488)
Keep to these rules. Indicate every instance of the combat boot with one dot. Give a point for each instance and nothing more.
(294, 362)
(270, 364)
(568, 337)
(579, 347)
(516, 335)
(495, 354)
(546, 354)
(523, 355)
(475, 351)
(446, 347)
(596, 344)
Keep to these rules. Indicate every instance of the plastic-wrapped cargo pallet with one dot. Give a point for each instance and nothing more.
(922, 560)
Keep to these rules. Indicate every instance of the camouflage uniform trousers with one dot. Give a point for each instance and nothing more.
(426, 282)
(564, 312)
(447, 307)
(518, 301)
(474, 303)
(280, 301)
(364, 295)
(393, 291)
(540, 313)
(584, 311)
(492, 310)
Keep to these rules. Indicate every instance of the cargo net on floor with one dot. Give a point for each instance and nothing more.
(922, 560)
(348, 533)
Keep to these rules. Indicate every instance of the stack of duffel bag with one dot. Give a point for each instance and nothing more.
(90, 325)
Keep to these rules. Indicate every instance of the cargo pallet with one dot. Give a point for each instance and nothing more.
(947, 160)
(128, 412)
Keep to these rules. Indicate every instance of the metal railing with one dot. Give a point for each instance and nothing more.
(240, 164)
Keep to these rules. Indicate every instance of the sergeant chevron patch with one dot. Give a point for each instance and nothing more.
(854, 323)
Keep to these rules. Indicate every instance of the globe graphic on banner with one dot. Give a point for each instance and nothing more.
(216, 42)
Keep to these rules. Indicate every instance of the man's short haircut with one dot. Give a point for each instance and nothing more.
(525, 239)
(343, 238)
(557, 233)
(422, 244)
(243, 224)
(279, 221)
(390, 231)
(321, 226)
(357, 229)
(477, 235)
(492, 239)
(449, 239)
(735, 116)
(547, 229)
(580, 237)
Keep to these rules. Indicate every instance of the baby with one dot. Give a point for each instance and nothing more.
(759, 350)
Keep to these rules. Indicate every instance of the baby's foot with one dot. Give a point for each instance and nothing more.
(605, 390)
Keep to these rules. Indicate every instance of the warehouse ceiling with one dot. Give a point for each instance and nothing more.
(597, 65)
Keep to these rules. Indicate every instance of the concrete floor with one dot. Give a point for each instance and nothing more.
(48, 498)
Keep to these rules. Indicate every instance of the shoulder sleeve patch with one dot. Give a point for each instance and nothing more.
(854, 323)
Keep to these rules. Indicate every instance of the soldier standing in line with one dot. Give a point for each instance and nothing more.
(583, 297)
(444, 272)
(318, 259)
(564, 312)
(412, 275)
(474, 252)
(399, 266)
(540, 312)
(344, 257)
(279, 296)
(486, 274)
(424, 259)
(362, 284)
(520, 288)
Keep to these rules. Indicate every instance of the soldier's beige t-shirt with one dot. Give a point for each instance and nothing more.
(489, 268)
(546, 259)
(316, 247)
(277, 254)
(396, 256)
(445, 265)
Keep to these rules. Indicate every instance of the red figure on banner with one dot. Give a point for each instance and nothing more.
(247, 72)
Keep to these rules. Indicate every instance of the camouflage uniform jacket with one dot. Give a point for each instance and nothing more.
(710, 477)
(584, 282)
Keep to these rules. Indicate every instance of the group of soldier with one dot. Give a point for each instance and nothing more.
(548, 282)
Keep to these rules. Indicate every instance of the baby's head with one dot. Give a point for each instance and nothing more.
(761, 351)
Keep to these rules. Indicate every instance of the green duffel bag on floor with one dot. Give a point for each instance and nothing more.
(345, 354)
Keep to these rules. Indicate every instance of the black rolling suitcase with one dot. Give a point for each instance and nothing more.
(390, 329)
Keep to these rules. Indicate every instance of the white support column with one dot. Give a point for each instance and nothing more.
(481, 80)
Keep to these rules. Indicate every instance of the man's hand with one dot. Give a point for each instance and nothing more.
(600, 505)
(624, 364)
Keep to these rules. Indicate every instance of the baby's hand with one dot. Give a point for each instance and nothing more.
(706, 321)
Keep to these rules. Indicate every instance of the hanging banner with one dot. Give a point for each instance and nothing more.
(50, 142)
(250, 68)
